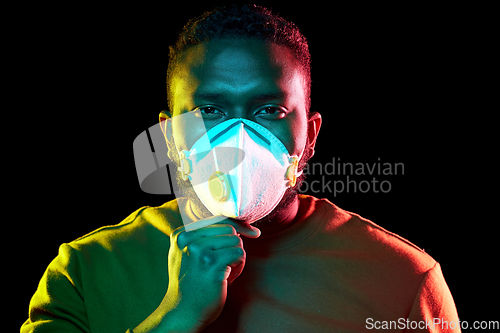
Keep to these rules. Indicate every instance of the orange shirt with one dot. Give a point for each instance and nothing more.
(331, 271)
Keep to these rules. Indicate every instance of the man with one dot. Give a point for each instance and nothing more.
(276, 261)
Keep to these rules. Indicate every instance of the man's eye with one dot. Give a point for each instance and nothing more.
(210, 112)
(271, 112)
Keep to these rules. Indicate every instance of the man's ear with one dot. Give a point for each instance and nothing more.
(313, 126)
(165, 119)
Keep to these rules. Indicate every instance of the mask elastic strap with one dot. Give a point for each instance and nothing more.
(291, 173)
(185, 168)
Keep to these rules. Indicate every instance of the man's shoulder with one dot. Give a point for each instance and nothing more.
(119, 267)
(357, 234)
(140, 225)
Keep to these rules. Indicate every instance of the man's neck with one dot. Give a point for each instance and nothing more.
(280, 218)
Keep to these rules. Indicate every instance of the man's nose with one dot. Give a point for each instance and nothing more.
(240, 111)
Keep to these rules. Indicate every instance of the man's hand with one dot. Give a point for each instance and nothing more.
(201, 264)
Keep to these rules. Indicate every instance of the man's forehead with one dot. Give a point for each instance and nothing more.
(235, 52)
(237, 65)
(241, 57)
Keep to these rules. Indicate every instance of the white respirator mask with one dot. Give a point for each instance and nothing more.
(239, 169)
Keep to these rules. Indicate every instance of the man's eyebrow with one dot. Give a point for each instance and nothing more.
(221, 97)
(208, 96)
(266, 97)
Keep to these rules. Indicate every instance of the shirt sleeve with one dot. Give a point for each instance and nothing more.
(433, 305)
(58, 305)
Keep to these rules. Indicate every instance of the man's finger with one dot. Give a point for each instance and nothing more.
(244, 228)
(185, 238)
(204, 222)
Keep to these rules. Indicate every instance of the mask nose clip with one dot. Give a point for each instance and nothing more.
(218, 184)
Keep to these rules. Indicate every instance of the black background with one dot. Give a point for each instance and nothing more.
(388, 82)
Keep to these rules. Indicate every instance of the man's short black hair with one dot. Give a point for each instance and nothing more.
(242, 21)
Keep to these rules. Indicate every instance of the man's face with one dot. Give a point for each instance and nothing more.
(248, 79)
(241, 79)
